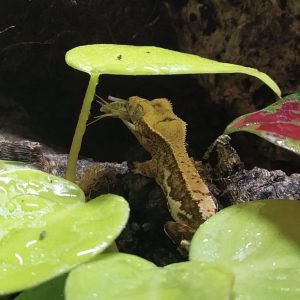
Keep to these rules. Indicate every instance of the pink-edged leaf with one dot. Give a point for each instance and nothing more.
(278, 123)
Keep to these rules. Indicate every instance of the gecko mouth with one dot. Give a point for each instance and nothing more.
(167, 120)
(112, 107)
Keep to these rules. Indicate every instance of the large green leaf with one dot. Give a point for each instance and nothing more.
(46, 228)
(128, 277)
(260, 243)
(148, 60)
(28, 196)
(279, 123)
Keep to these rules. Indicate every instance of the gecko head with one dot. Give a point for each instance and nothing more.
(157, 116)
(138, 108)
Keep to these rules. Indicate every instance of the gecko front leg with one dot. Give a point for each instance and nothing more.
(147, 168)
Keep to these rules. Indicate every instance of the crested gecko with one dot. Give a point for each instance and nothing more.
(162, 134)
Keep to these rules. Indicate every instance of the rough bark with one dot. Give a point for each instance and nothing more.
(236, 184)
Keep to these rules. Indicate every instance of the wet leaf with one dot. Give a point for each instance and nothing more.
(128, 277)
(278, 123)
(46, 228)
(259, 242)
(148, 60)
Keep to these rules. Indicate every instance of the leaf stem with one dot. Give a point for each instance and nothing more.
(80, 128)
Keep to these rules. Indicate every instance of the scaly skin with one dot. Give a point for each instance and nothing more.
(162, 134)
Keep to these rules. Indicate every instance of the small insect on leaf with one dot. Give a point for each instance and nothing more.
(278, 123)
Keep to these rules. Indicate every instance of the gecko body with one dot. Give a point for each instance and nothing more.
(162, 134)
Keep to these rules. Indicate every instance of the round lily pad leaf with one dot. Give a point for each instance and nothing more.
(46, 228)
(260, 243)
(148, 60)
(128, 277)
(28, 196)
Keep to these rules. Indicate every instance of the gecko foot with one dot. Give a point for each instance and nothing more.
(180, 234)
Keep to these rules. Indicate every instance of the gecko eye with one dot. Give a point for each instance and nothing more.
(136, 113)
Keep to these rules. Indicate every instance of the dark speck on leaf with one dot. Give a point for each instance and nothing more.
(42, 235)
(119, 57)
(148, 52)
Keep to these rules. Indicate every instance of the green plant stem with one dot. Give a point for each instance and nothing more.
(80, 128)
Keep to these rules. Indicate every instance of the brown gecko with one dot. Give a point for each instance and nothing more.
(162, 134)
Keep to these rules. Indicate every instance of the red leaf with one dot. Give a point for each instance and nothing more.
(278, 123)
